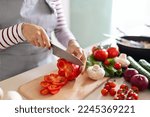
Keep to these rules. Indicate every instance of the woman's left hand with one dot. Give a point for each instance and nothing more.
(75, 49)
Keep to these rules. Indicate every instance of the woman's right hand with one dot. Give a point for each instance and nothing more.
(35, 35)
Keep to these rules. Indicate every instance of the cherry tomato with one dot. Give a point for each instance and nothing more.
(117, 66)
(94, 48)
(44, 91)
(104, 92)
(135, 96)
(130, 92)
(107, 87)
(120, 91)
(116, 98)
(112, 92)
(135, 89)
(124, 87)
(121, 96)
(106, 62)
(112, 52)
(112, 84)
(129, 98)
(101, 55)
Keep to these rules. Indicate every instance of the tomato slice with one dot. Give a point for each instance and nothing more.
(44, 91)
(54, 92)
(61, 81)
(50, 78)
(44, 84)
(46, 78)
(53, 87)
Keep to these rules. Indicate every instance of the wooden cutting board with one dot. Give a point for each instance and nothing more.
(76, 89)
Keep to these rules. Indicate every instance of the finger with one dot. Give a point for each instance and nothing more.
(83, 59)
(78, 52)
(33, 43)
(39, 39)
(36, 43)
(46, 39)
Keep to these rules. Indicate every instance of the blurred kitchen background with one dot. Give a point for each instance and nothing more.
(90, 19)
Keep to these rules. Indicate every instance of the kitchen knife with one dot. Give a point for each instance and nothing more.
(64, 54)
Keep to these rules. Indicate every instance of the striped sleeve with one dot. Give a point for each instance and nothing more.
(62, 32)
(11, 36)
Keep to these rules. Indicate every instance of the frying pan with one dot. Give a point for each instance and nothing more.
(136, 53)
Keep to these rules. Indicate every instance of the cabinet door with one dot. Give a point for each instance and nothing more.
(90, 19)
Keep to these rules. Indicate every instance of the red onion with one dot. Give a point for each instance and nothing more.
(140, 81)
(129, 72)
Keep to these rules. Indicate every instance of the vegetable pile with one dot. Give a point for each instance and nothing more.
(111, 63)
(140, 75)
(53, 82)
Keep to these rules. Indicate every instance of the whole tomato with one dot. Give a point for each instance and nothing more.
(112, 52)
(100, 54)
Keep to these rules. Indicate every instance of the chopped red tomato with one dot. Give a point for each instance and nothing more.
(50, 78)
(53, 82)
(60, 81)
(67, 69)
(61, 72)
(53, 87)
(44, 91)
(61, 64)
(44, 84)
(54, 92)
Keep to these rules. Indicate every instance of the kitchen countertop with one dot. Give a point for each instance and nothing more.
(14, 82)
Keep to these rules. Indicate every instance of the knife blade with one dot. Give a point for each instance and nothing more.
(57, 51)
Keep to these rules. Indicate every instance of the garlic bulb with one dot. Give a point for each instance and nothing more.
(95, 72)
(122, 59)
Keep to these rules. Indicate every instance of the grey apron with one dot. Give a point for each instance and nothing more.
(24, 56)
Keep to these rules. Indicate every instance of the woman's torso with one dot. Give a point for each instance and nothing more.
(24, 56)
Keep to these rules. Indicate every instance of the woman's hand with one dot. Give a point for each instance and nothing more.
(35, 35)
(75, 49)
